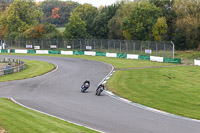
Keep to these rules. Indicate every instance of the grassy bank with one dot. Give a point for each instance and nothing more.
(175, 89)
(16, 119)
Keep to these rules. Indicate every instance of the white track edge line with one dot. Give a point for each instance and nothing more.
(109, 93)
(53, 115)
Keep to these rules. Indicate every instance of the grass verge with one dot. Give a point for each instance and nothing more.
(175, 89)
(16, 119)
(33, 69)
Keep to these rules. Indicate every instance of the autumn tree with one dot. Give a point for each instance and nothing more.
(159, 29)
(65, 8)
(55, 13)
(35, 32)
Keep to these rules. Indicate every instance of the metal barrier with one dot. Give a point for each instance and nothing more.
(163, 49)
(9, 69)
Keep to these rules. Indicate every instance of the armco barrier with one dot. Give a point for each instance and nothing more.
(93, 53)
(9, 70)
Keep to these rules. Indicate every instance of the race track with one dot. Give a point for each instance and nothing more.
(58, 93)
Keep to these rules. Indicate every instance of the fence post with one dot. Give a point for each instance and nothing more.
(133, 47)
(126, 47)
(80, 45)
(64, 45)
(73, 44)
(57, 43)
(114, 44)
(164, 49)
(156, 49)
(108, 45)
(94, 45)
(34, 43)
(101, 45)
(120, 46)
(173, 49)
(11, 43)
(141, 48)
(19, 44)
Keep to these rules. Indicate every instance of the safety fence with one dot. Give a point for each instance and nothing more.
(94, 53)
(12, 66)
(153, 48)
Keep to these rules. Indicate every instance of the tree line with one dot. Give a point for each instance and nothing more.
(146, 20)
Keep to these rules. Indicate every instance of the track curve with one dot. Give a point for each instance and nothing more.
(58, 93)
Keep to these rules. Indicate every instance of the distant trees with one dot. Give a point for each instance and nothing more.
(138, 25)
(187, 25)
(87, 13)
(160, 20)
(76, 28)
(100, 23)
(61, 9)
(20, 15)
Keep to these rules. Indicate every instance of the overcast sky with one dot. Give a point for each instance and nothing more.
(96, 3)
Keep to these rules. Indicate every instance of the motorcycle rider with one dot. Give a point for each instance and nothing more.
(86, 83)
(101, 85)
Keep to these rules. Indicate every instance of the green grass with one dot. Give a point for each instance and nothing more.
(33, 69)
(175, 89)
(61, 29)
(16, 119)
(187, 56)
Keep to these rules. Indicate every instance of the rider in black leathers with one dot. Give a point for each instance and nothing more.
(101, 85)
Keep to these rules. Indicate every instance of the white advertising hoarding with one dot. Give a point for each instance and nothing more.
(29, 46)
(36, 47)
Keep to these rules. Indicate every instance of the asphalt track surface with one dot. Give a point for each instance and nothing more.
(58, 93)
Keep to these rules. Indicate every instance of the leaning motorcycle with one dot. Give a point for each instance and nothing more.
(99, 90)
(84, 87)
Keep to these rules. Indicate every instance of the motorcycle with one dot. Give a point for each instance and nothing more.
(99, 90)
(84, 87)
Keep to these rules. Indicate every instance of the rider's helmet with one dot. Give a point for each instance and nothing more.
(86, 85)
(87, 80)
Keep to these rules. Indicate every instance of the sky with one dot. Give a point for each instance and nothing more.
(96, 3)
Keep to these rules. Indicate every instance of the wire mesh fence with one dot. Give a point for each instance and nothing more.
(164, 49)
